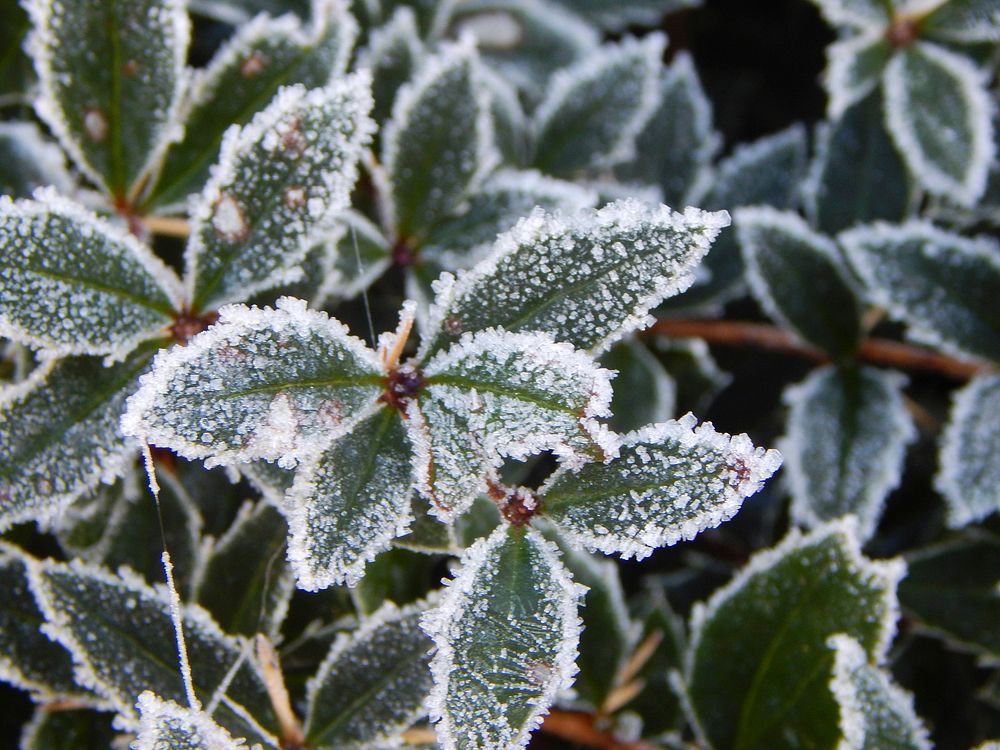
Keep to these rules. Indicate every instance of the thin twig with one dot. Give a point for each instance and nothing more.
(578, 727)
(771, 338)
(170, 226)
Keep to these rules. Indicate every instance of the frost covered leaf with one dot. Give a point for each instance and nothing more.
(969, 474)
(277, 180)
(943, 286)
(607, 636)
(845, 443)
(953, 590)
(260, 383)
(669, 482)
(110, 79)
(242, 78)
(59, 434)
(495, 208)
(963, 21)
(121, 636)
(439, 143)
(514, 395)
(525, 40)
(28, 161)
(361, 255)
(164, 725)
(72, 728)
(677, 142)
(643, 390)
(506, 633)
(246, 583)
(392, 55)
(613, 15)
(854, 67)
(859, 14)
(796, 276)
(74, 284)
(350, 501)
(28, 659)
(948, 146)
(766, 172)
(857, 174)
(594, 110)
(758, 669)
(874, 711)
(397, 575)
(588, 278)
(427, 533)
(373, 683)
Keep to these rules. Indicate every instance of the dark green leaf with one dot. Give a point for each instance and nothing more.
(28, 161)
(67, 730)
(164, 725)
(614, 15)
(393, 54)
(643, 390)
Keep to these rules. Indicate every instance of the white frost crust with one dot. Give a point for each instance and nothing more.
(887, 573)
(564, 83)
(624, 215)
(843, 87)
(44, 37)
(57, 628)
(455, 602)
(936, 242)
(544, 357)
(878, 485)
(266, 126)
(970, 408)
(235, 321)
(48, 158)
(972, 84)
(48, 201)
(649, 533)
(751, 219)
(387, 613)
(858, 14)
(433, 67)
(160, 722)
(849, 661)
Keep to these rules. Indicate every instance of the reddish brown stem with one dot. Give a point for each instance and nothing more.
(770, 338)
(578, 727)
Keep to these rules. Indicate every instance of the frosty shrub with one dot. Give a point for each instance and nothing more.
(349, 350)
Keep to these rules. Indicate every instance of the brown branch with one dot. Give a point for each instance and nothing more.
(578, 727)
(771, 338)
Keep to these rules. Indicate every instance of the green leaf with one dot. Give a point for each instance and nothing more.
(969, 473)
(948, 146)
(72, 283)
(587, 279)
(278, 180)
(361, 255)
(506, 632)
(28, 659)
(854, 68)
(69, 729)
(607, 636)
(246, 583)
(594, 110)
(28, 161)
(860, 14)
(373, 683)
(111, 77)
(397, 575)
(427, 533)
(512, 395)
(260, 383)
(677, 143)
(393, 53)
(121, 635)
(164, 725)
(759, 666)
(697, 377)
(669, 482)
(952, 590)
(874, 711)
(510, 124)
(643, 390)
(525, 41)
(438, 145)
(15, 67)
(857, 175)
(963, 21)
(796, 274)
(943, 286)
(241, 79)
(350, 501)
(845, 444)
(612, 15)
(60, 434)
(237, 12)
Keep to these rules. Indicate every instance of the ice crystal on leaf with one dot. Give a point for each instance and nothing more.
(164, 725)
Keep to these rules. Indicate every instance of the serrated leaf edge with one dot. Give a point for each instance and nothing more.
(841, 88)
(153, 709)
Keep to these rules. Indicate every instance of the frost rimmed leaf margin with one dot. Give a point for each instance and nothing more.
(121, 295)
(627, 258)
(644, 512)
(469, 595)
(164, 725)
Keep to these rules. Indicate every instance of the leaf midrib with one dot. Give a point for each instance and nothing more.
(458, 381)
(164, 309)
